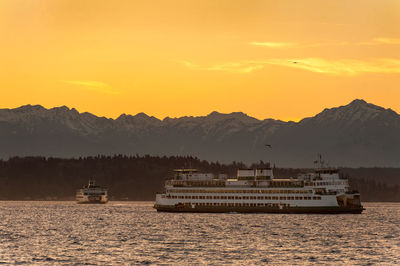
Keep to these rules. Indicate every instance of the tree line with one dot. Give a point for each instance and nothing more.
(140, 177)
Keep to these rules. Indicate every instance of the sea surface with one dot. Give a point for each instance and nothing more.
(134, 233)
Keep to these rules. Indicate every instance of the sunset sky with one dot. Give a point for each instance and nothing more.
(270, 59)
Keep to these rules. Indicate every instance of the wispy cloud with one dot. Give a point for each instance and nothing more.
(237, 67)
(349, 67)
(283, 45)
(93, 85)
(287, 45)
(381, 41)
(275, 44)
(344, 67)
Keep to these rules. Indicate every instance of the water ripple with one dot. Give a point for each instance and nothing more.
(134, 233)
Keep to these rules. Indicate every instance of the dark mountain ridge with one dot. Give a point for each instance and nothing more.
(357, 134)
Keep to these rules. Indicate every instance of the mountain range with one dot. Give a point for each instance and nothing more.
(354, 135)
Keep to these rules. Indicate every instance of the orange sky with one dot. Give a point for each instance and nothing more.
(269, 59)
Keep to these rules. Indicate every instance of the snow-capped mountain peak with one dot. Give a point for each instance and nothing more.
(340, 132)
(357, 111)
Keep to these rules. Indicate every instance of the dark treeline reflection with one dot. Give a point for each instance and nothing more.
(140, 177)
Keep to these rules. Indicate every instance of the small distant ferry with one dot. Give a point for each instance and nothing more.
(257, 190)
(92, 193)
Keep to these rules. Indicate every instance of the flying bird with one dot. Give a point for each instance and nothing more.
(268, 145)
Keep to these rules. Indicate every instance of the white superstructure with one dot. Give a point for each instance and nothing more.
(92, 193)
(257, 190)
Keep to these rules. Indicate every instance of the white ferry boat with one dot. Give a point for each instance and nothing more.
(91, 193)
(256, 190)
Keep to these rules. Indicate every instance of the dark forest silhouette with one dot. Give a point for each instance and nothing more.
(140, 177)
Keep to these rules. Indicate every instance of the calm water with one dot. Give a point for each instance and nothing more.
(134, 233)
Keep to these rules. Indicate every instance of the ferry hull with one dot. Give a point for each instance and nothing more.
(227, 209)
(92, 200)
